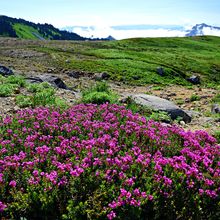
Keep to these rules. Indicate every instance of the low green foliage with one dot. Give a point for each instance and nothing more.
(160, 116)
(217, 135)
(6, 90)
(35, 87)
(10, 84)
(41, 97)
(23, 101)
(17, 80)
(194, 98)
(216, 99)
(179, 101)
(98, 94)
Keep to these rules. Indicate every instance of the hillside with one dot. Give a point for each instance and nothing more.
(20, 28)
(132, 61)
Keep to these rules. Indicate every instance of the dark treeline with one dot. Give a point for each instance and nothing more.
(46, 30)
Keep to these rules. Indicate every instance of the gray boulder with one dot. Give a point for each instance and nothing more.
(52, 80)
(4, 71)
(194, 79)
(160, 104)
(101, 76)
(160, 71)
(215, 108)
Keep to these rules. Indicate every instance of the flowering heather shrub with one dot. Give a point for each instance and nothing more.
(103, 162)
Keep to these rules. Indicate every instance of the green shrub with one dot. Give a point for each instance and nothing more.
(217, 135)
(19, 80)
(2, 79)
(194, 98)
(23, 101)
(44, 98)
(99, 98)
(179, 101)
(35, 87)
(216, 99)
(6, 90)
(160, 116)
(60, 103)
(98, 94)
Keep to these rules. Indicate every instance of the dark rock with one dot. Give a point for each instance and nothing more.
(187, 100)
(73, 74)
(51, 70)
(171, 94)
(215, 108)
(160, 104)
(160, 71)
(194, 79)
(4, 71)
(54, 81)
(33, 80)
(101, 76)
(135, 77)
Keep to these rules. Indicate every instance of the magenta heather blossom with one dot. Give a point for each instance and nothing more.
(107, 158)
(2, 206)
(13, 183)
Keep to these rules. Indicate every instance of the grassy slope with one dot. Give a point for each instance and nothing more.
(25, 31)
(135, 60)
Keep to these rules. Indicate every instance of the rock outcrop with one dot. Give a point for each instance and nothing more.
(52, 80)
(160, 104)
(4, 71)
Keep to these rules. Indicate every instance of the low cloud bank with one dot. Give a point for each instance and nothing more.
(103, 32)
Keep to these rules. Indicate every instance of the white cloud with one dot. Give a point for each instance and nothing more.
(211, 31)
(105, 31)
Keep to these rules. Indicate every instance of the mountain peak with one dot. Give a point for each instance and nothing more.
(202, 29)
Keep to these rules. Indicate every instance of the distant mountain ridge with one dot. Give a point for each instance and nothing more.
(145, 30)
(202, 29)
(20, 28)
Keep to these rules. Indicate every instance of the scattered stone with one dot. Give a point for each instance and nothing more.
(171, 94)
(160, 71)
(54, 81)
(182, 123)
(135, 77)
(160, 104)
(33, 79)
(4, 71)
(51, 70)
(67, 61)
(215, 108)
(101, 76)
(73, 74)
(194, 79)
(187, 100)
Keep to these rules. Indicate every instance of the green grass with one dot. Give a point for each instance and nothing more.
(26, 32)
(135, 61)
(98, 94)
(216, 99)
(194, 98)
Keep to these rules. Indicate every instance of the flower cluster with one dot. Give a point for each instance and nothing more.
(104, 161)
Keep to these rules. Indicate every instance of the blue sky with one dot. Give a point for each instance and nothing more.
(62, 13)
